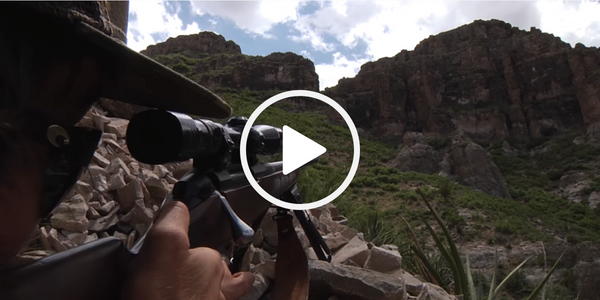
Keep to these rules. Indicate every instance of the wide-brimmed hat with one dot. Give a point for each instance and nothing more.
(140, 80)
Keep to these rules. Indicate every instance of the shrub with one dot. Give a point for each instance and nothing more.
(446, 189)
(182, 68)
(439, 142)
(407, 194)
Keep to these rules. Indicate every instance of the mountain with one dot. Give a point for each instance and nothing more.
(488, 79)
(511, 115)
(214, 62)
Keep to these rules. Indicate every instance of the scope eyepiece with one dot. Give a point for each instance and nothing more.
(266, 139)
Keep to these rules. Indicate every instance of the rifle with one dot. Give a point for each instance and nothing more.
(219, 197)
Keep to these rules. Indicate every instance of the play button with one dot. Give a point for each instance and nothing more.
(298, 150)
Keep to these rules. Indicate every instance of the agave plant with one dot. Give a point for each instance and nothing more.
(462, 282)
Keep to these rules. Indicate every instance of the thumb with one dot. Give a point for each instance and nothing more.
(237, 285)
(170, 230)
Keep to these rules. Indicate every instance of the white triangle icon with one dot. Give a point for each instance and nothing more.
(298, 150)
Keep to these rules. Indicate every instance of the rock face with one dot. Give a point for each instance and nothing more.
(473, 167)
(585, 66)
(193, 45)
(487, 78)
(457, 158)
(214, 62)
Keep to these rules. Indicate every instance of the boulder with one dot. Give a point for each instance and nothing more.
(335, 241)
(104, 223)
(329, 279)
(99, 159)
(107, 208)
(92, 213)
(434, 292)
(129, 193)
(81, 188)
(474, 168)
(414, 286)
(116, 181)
(117, 164)
(349, 233)
(355, 250)
(71, 215)
(419, 157)
(383, 260)
(118, 127)
(90, 238)
(100, 122)
(141, 214)
(78, 238)
(158, 188)
(587, 274)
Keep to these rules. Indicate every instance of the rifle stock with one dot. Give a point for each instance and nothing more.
(97, 270)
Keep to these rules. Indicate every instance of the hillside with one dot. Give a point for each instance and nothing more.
(507, 114)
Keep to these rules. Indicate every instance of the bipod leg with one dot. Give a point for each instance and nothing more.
(312, 233)
(238, 256)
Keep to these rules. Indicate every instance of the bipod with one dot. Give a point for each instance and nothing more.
(312, 233)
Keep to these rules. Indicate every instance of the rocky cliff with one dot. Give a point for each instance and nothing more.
(214, 62)
(488, 79)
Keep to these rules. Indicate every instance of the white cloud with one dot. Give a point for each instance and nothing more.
(387, 27)
(330, 74)
(255, 17)
(306, 54)
(152, 19)
(315, 40)
(337, 20)
(574, 22)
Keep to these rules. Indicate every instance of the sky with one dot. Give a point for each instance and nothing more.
(340, 36)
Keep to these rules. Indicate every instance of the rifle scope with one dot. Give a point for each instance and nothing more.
(158, 137)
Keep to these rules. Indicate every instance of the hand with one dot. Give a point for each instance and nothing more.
(168, 269)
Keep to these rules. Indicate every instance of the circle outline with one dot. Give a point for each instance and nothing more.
(244, 157)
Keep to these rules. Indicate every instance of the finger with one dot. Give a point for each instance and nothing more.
(237, 285)
(171, 227)
(205, 272)
(226, 268)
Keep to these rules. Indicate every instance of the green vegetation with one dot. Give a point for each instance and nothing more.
(439, 142)
(385, 205)
(530, 179)
(463, 283)
(380, 197)
(390, 193)
(193, 65)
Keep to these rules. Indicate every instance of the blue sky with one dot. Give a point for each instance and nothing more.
(340, 36)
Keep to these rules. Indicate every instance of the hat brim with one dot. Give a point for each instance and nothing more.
(142, 81)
